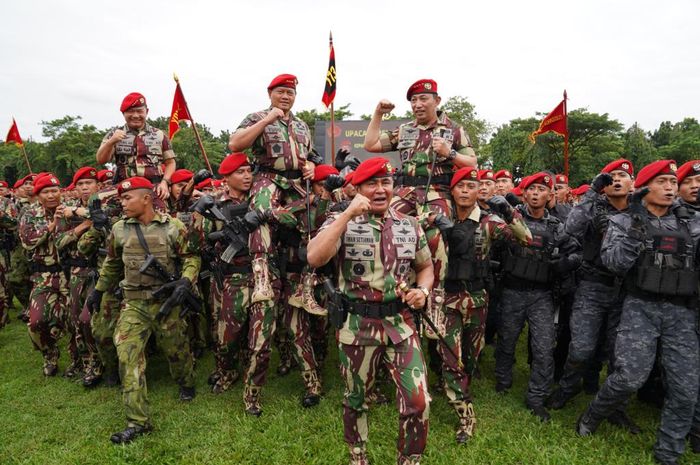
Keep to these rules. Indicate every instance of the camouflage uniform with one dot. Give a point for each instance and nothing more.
(19, 276)
(167, 240)
(140, 153)
(413, 142)
(375, 255)
(280, 153)
(652, 318)
(8, 230)
(466, 300)
(597, 306)
(527, 296)
(49, 292)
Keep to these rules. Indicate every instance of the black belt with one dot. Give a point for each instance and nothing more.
(228, 269)
(373, 309)
(519, 284)
(289, 174)
(681, 301)
(76, 262)
(418, 181)
(41, 268)
(598, 278)
(454, 286)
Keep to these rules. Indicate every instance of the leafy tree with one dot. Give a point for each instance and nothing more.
(185, 145)
(311, 116)
(679, 141)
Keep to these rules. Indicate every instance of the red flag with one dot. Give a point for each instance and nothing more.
(179, 112)
(13, 135)
(329, 91)
(555, 122)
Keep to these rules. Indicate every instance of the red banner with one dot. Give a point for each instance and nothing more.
(555, 122)
(179, 112)
(329, 91)
(13, 135)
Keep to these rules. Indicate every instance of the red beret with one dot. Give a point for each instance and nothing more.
(654, 169)
(132, 100)
(485, 175)
(204, 184)
(232, 162)
(619, 165)
(348, 178)
(561, 179)
(130, 184)
(86, 172)
(375, 167)
(422, 86)
(218, 183)
(181, 175)
(517, 191)
(691, 168)
(284, 80)
(44, 181)
(469, 172)
(321, 172)
(69, 187)
(28, 178)
(4, 184)
(105, 175)
(538, 178)
(580, 190)
(502, 174)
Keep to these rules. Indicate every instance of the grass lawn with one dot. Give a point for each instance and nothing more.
(56, 421)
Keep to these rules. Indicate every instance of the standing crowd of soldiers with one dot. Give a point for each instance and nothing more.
(285, 250)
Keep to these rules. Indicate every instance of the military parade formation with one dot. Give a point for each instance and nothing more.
(406, 270)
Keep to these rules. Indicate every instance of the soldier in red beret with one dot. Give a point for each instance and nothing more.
(504, 182)
(282, 150)
(431, 147)
(597, 305)
(689, 184)
(49, 291)
(379, 251)
(8, 231)
(18, 278)
(653, 247)
(137, 148)
(487, 188)
(105, 176)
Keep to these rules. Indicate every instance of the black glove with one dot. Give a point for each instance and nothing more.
(171, 287)
(333, 182)
(601, 181)
(201, 175)
(600, 223)
(444, 224)
(254, 218)
(566, 263)
(202, 205)
(352, 162)
(93, 301)
(340, 157)
(513, 199)
(500, 206)
(315, 157)
(637, 210)
(97, 215)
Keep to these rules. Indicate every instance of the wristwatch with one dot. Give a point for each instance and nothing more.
(452, 155)
(424, 290)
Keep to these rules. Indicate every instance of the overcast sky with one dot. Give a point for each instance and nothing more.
(636, 60)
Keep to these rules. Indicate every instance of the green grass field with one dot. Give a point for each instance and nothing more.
(56, 421)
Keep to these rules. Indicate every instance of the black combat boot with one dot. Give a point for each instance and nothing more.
(559, 398)
(540, 412)
(130, 433)
(587, 423)
(187, 393)
(622, 420)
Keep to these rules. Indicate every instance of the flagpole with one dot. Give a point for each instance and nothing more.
(26, 159)
(330, 42)
(566, 140)
(194, 126)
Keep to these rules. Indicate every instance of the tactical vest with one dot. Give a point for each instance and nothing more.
(467, 269)
(666, 266)
(532, 263)
(133, 256)
(277, 146)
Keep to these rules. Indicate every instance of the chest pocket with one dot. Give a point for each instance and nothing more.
(408, 138)
(124, 148)
(404, 239)
(301, 134)
(133, 257)
(361, 253)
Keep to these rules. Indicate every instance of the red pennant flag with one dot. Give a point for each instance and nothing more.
(13, 135)
(179, 112)
(329, 91)
(555, 122)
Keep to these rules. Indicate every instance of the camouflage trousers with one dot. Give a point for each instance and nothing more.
(264, 195)
(537, 308)
(137, 322)
(645, 324)
(18, 278)
(77, 294)
(410, 200)
(102, 326)
(594, 315)
(197, 326)
(47, 307)
(298, 322)
(230, 315)
(5, 294)
(359, 366)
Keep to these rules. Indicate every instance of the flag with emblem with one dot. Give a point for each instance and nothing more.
(13, 135)
(555, 122)
(179, 112)
(329, 91)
